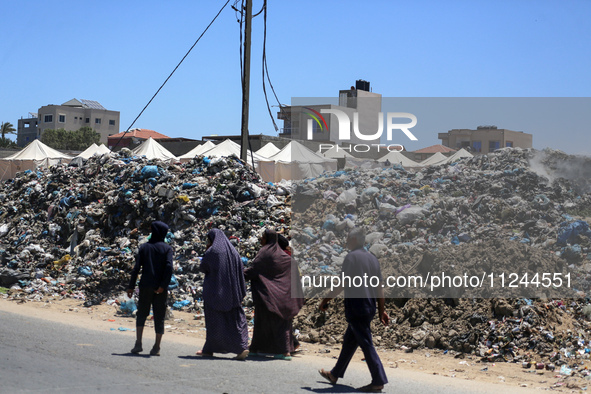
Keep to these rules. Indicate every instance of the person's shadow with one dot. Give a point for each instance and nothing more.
(332, 388)
(229, 358)
(131, 355)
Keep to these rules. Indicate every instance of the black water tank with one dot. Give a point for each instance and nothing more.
(360, 84)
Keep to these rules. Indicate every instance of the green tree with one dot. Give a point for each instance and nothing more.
(7, 128)
(70, 140)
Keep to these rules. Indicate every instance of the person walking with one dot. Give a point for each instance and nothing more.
(273, 279)
(154, 259)
(223, 291)
(360, 308)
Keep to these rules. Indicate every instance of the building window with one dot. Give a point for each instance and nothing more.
(87, 120)
(111, 122)
(48, 118)
(97, 120)
(26, 125)
(493, 145)
(61, 118)
(509, 144)
(477, 146)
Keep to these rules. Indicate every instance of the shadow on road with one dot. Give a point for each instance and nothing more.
(214, 358)
(131, 355)
(332, 388)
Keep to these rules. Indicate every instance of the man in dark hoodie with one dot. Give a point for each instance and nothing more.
(154, 258)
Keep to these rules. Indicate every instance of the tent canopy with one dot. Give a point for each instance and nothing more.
(34, 155)
(437, 158)
(196, 151)
(295, 161)
(396, 157)
(458, 155)
(229, 148)
(151, 149)
(94, 149)
(336, 152)
(268, 150)
(37, 150)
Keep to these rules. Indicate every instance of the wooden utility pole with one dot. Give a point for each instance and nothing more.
(246, 82)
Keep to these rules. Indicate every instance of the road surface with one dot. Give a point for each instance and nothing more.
(37, 355)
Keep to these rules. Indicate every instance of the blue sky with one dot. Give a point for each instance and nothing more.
(119, 53)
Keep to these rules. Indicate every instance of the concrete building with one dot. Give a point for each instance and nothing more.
(71, 116)
(299, 120)
(485, 139)
(26, 129)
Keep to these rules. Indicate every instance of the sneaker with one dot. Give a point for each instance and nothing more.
(155, 351)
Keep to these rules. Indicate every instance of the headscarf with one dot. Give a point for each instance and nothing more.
(274, 277)
(159, 231)
(223, 286)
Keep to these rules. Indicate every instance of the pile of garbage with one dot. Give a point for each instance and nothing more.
(74, 230)
(512, 211)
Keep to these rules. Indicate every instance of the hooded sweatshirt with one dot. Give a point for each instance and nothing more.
(155, 259)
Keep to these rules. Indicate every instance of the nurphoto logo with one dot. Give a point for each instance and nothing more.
(344, 127)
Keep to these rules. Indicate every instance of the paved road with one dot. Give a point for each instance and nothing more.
(42, 356)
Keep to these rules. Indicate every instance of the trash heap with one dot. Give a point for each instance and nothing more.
(74, 230)
(511, 211)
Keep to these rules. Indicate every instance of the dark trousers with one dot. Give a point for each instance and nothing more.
(359, 334)
(149, 299)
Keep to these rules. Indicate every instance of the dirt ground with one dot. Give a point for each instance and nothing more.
(190, 329)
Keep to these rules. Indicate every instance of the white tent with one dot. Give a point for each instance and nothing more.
(196, 151)
(458, 155)
(151, 149)
(295, 161)
(94, 149)
(34, 155)
(336, 152)
(268, 150)
(437, 158)
(229, 148)
(396, 157)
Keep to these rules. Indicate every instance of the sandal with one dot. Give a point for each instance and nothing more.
(242, 356)
(202, 354)
(370, 388)
(328, 376)
(282, 357)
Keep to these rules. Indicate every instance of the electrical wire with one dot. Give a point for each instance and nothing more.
(170, 75)
(265, 69)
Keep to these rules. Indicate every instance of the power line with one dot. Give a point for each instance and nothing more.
(170, 75)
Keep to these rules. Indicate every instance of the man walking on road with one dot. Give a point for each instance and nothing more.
(360, 308)
(154, 258)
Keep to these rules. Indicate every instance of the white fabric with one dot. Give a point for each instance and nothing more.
(396, 157)
(294, 162)
(196, 151)
(458, 155)
(229, 148)
(151, 149)
(268, 150)
(88, 152)
(102, 150)
(436, 159)
(353, 162)
(94, 149)
(34, 155)
(336, 152)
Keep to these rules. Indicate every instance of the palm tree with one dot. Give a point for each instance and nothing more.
(7, 128)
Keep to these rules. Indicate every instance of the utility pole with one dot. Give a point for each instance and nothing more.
(246, 82)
